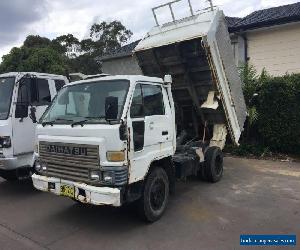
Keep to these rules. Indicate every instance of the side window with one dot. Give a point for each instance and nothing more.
(153, 100)
(59, 84)
(24, 91)
(136, 109)
(71, 107)
(44, 96)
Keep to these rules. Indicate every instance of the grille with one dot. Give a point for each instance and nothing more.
(69, 161)
(121, 176)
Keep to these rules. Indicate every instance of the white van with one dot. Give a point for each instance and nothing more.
(23, 99)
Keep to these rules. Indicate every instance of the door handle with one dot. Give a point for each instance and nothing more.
(165, 133)
(151, 125)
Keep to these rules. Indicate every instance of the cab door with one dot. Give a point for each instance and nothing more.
(33, 93)
(157, 118)
(150, 125)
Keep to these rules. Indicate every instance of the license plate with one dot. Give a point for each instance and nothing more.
(68, 191)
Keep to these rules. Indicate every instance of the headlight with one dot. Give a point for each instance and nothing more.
(5, 142)
(108, 177)
(105, 177)
(95, 175)
(36, 148)
(40, 166)
(115, 156)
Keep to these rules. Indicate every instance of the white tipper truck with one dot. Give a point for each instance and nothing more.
(123, 138)
(24, 96)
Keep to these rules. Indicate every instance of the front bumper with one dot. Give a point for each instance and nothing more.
(16, 162)
(93, 195)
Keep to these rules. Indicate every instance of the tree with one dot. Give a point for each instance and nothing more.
(67, 40)
(109, 36)
(14, 60)
(85, 64)
(40, 54)
(87, 45)
(66, 43)
(45, 60)
(32, 41)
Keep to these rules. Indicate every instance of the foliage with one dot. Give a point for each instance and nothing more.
(250, 82)
(273, 105)
(252, 115)
(32, 41)
(84, 64)
(279, 113)
(109, 36)
(246, 149)
(87, 45)
(34, 59)
(40, 54)
(251, 86)
(67, 40)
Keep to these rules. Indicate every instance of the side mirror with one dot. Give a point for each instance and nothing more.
(21, 110)
(32, 114)
(111, 108)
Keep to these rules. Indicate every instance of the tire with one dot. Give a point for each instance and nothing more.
(213, 166)
(155, 197)
(10, 175)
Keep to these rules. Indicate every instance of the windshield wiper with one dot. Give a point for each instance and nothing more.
(79, 123)
(52, 122)
(47, 123)
(99, 118)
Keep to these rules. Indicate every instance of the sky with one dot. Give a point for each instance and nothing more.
(52, 18)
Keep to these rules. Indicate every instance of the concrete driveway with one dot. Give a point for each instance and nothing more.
(254, 197)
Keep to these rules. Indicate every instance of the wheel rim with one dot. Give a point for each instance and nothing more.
(219, 165)
(157, 194)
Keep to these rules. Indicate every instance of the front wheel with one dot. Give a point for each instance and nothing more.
(154, 200)
(9, 175)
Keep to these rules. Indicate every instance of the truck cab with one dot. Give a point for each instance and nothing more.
(23, 99)
(101, 136)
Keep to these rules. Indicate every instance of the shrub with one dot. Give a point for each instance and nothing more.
(246, 149)
(278, 110)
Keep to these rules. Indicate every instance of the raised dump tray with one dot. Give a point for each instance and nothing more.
(207, 90)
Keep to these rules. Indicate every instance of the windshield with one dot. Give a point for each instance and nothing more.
(6, 89)
(86, 101)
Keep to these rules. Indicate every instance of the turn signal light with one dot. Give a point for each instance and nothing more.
(115, 156)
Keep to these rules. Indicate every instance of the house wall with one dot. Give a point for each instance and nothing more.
(121, 66)
(276, 49)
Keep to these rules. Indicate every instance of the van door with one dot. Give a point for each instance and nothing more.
(36, 93)
(150, 122)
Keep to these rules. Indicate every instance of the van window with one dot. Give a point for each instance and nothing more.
(24, 95)
(153, 100)
(43, 92)
(59, 84)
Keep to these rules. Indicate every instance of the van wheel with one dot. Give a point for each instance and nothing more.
(213, 166)
(10, 175)
(154, 200)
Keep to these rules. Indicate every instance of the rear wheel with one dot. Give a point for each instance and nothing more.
(213, 166)
(154, 200)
